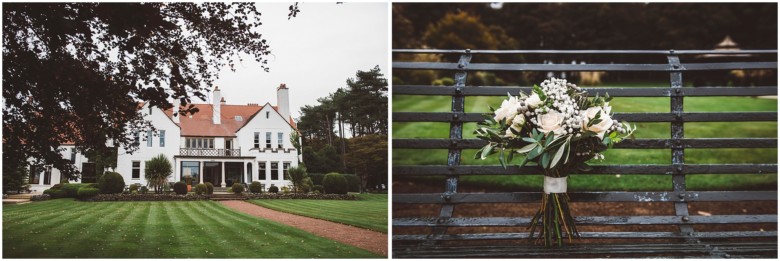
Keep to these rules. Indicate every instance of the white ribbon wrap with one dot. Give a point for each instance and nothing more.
(554, 185)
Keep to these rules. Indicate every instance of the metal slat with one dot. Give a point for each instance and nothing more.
(631, 117)
(612, 196)
(640, 169)
(584, 67)
(613, 91)
(595, 235)
(664, 52)
(583, 220)
(626, 144)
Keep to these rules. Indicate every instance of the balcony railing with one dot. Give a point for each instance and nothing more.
(210, 152)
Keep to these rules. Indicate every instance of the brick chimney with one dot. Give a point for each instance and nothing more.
(283, 101)
(217, 110)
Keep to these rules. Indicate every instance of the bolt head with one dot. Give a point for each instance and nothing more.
(677, 90)
(461, 66)
(686, 218)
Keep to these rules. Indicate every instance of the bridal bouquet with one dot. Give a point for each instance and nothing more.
(559, 128)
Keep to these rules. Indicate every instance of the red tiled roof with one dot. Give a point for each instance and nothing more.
(201, 123)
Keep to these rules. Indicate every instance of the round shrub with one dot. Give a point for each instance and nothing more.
(111, 182)
(71, 189)
(256, 187)
(238, 188)
(273, 189)
(144, 189)
(56, 186)
(317, 188)
(180, 188)
(56, 193)
(201, 189)
(353, 183)
(335, 183)
(134, 188)
(210, 187)
(85, 192)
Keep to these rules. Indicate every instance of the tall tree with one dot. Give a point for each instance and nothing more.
(78, 71)
(368, 159)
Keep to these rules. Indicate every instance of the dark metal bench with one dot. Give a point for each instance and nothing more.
(455, 231)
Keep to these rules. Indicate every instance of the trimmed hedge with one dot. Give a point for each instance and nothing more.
(238, 188)
(56, 193)
(201, 189)
(86, 193)
(273, 189)
(148, 197)
(353, 182)
(111, 182)
(256, 187)
(210, 187)
(335, 183)
(318, 189)
(302, 196)
(180, 188)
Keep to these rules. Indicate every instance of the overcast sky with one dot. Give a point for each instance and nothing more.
(313, 53)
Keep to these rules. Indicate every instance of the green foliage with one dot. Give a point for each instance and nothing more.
(307, 185)
(56, 193)
(180, 188)
(318, 188)
(14, 177)
(335, 183)
(353, 182)
(316, 178)
(157, 171)
(273, 189)
(133, 187)
(285, 190)
(368, 159)
(256, 187)
(144, 189)
(71, 189)
(210, 187)
(201, 189)
(238, 188)
(111, 182)
(444, 81)
(85, 192)
(296, 175)
(369, 211)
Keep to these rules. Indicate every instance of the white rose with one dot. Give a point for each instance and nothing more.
(508, 110)
(533, 101)
(551, 121)
(591, 113)
(601, 127)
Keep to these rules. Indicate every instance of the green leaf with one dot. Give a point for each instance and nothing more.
(487, 150)
(529, 140)
(558, 156)
(545, 160)
(528, 147)
(510, 156)
(501, 158)
(535, 152)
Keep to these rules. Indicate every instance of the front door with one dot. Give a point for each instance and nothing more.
(88, 173)
(212, 172)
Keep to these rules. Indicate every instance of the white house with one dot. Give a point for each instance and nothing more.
(222, 144)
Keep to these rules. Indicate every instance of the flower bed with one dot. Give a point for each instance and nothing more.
(147, 197)
(301, 196)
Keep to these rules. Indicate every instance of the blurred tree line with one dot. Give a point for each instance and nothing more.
(571, 26)
(347, 131)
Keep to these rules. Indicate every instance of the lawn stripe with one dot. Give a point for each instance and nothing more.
(84, 239)
(39, 227)
(114, 244)
(152, 231)
(228, 220)
(360, 213)
(185, 212)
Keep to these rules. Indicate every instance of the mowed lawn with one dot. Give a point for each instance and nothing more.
(409, 103)
(369, 212)
(65, 228)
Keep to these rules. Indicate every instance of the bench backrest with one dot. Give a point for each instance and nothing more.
(452, 227)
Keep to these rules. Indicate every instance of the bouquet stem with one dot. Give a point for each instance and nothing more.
(555, 220)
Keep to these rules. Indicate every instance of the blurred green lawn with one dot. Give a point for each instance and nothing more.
(408, 103)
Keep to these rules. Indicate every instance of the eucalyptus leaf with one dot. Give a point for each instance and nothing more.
(557, 156)
(487, 150)
(527, 148)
